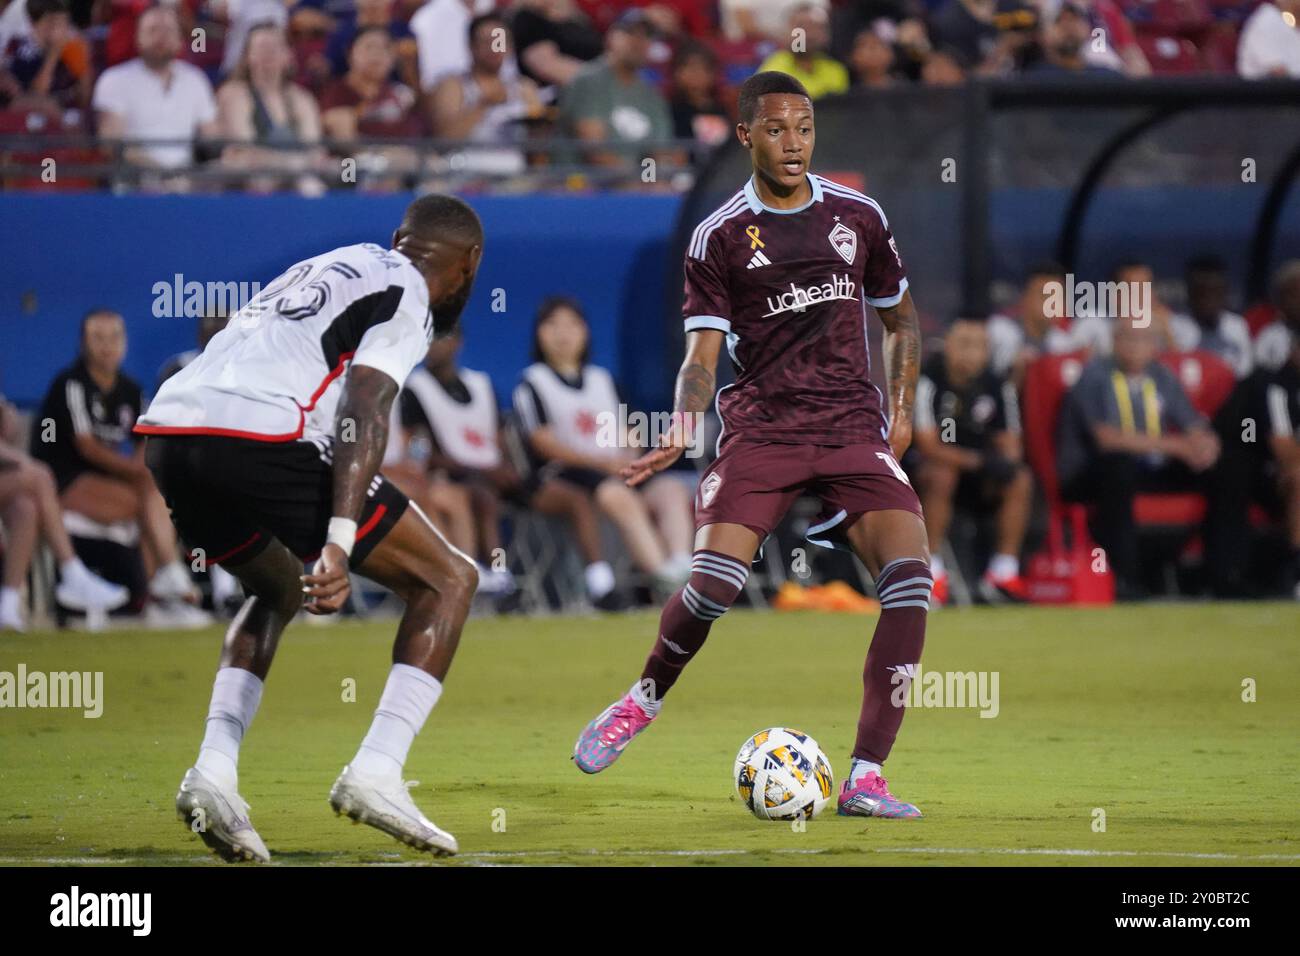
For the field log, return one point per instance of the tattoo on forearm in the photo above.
(360, 437)
(904, 356)
(694, 389)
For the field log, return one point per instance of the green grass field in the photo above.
(1137, 711)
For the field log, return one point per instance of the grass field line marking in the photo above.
(489, 855)
(790, 851)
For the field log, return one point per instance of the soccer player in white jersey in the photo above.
(266, 448)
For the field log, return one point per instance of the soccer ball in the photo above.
(782, 774)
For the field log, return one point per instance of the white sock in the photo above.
(236, 694)
(860, 769)
(73, 570)
(600, 579)
(644, 700)
(10, 604)
(1004, 566)
(936, 566)
(403, 708)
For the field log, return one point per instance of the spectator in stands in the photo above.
(49, 68)
(967, 31)
(553, 39)
(278, 119)
(156, 97)
(1016, 340)
(759, 19)
(452, 453)
(609, 105)
(671, 18)
(567, 407)
(241, 17)
(911, 42)
(15, 24)
(966, 434)
(1135, 285)
(1208, 324)
(696, 102)
(1263, 471)
(802, 52)
(441, 28)
(29, 511)
(1063, 39)
(1119, 49)
(872, 61)
(483, 105)
(84, 434)
(1126, 427)
(367, 103)
(376, 13)
(943, 67)
(1270, 41)
(1275, 341)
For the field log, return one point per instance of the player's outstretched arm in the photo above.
(693, 395)
(360, 437)
(902, 352)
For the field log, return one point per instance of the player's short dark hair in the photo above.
(481, 19)
(438, 216)
(36, 9)
(763, 84)
(550, 305)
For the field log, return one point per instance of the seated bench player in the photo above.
(966, 436)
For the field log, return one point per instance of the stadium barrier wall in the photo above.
(63, 254)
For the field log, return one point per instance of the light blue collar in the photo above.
(756, 205)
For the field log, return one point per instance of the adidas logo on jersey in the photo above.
(758, 259)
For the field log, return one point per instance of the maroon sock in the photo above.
(904, 590)
(715, 581)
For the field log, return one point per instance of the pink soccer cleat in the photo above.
(871, 798)
(602, 740)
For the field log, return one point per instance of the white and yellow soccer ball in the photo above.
(781, 774)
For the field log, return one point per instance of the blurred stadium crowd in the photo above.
(1167, 436)
(274, 94)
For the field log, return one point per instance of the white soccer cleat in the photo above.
(172, 582)
(220, 818)
(390, 809)
(90, 592)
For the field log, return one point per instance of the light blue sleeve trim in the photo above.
(707, 322)
(892, 300)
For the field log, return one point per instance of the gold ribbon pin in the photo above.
(754, 241)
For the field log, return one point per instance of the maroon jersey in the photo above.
(790, 290)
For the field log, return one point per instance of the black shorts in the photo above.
(231, 496)
(588, 479)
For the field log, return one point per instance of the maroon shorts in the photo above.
(754, 483)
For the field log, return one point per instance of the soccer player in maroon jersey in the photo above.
(782, 273)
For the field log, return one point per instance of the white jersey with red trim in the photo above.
(276, 371)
